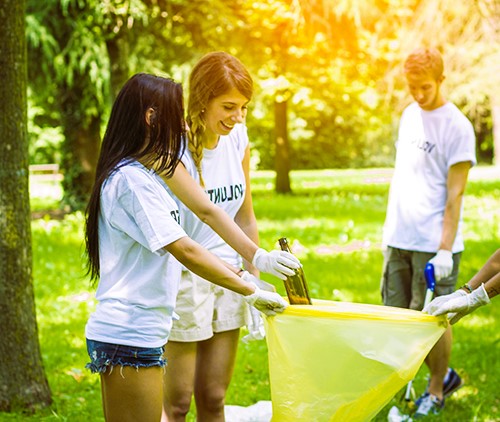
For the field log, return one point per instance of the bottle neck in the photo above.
(284, 244)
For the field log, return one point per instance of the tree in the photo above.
(69, 66)
(82, 52)
(467, 34)
(23, 384)
(339, 63)
(302, 46)
(282, 160)
(490, 10)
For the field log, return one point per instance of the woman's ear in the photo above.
(150, 116)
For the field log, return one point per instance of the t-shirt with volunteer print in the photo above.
(225, 186)
(139, 280)
(429, 143)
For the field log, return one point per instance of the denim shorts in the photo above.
(108, 355)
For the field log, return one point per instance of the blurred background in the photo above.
(328, 73)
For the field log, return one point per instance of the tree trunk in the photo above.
(82, 139)
(495, 117)
(23, 384)
(118, 48)
(282, 158)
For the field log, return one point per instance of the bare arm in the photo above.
(492, 286)
(194, 197)
(245, 218)
(457, 179)
(478, 292)
(203, 263)
(489, 274)
(277, 263)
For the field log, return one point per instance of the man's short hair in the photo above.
(425, 60)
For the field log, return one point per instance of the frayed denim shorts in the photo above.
(108, 355)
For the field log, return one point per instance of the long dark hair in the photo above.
(128, 135)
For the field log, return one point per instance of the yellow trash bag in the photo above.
(338, 361)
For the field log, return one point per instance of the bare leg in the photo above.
(131, 395)
(104, 399)
(438, 360)
(179, 379)
(215, 365)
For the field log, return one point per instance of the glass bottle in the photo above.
(295, 285)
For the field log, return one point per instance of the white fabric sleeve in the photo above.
(463, 147)
(148, 215)
(240, 135)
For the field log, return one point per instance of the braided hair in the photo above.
(215, 74)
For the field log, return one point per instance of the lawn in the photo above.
(333, 220)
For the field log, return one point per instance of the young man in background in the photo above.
(435, 150)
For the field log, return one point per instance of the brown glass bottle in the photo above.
(295, 285)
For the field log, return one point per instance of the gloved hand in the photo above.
(266, 302)
(277, 263)
(255, 325)
(458, 304)
(443, 264)
(261, 284)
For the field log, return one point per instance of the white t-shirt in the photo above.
(429, 143)
(225, 185)
(139, 280)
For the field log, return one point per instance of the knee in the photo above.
(211, 400)
(179, 408)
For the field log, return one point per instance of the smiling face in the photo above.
(425, 90)
(222, 113)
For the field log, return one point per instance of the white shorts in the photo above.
(204, 309)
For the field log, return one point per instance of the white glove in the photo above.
(443, 264)
(255, 325)
(435, 307)
(266, 302)
(277, 263)
(458, 304)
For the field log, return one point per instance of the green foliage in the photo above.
(333, 221)
(45, 137)
(317, 72)
(338, 64)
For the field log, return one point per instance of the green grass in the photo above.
(333, 220)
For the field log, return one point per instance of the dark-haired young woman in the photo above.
(132, 237)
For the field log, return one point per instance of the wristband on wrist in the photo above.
(467, 287)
